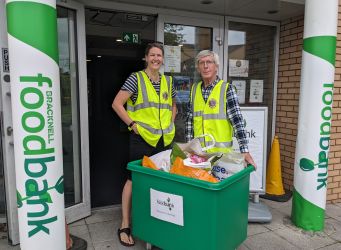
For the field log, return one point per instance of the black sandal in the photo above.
(126, 231)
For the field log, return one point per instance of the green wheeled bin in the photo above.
(174, 212)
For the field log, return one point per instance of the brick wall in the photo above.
(288, 90)
(290, 56)
(334, 168)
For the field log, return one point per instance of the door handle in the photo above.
(9, 130)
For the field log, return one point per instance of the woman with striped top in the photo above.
(149, 115)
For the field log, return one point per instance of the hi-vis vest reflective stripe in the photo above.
(211, 117)
(153, 112)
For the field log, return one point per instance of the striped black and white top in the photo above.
(130, 85)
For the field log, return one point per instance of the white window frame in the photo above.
(198, 20)
(83, 209)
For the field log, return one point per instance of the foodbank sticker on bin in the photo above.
(166, 207)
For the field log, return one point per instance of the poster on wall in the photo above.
(240, 86)
(238, 68)
(256, 91)
(255, 120)
(172, 59)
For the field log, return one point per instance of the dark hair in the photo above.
(154, 45)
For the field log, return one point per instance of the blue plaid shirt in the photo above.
(232, 110)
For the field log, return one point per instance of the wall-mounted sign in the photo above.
(238, 68)
(135, 17)
(5, 60)
(129, 37)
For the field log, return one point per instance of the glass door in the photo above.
(251, 65)
(74, 109)
(184, 38)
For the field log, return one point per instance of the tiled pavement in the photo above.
(100, 231)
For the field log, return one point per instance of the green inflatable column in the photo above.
(35, 93)
(315, 113)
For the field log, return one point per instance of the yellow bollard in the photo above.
(274, 185)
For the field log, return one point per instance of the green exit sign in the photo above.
(129, 37)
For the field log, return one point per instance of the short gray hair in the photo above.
(205, 53)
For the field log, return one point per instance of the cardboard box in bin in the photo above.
(175, 212)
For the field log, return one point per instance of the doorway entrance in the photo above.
(109, 62)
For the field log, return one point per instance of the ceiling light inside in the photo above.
(273, 7)
(206, 1)
(272, 12)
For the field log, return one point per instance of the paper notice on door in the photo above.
(256, 91)
(172, 59)
(240, 89)
(166, 207)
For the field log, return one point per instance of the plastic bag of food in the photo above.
(194, 146)
(148, 163)
(180, 169)
(229, 164)
(201, 162)
(194, 154)
(176, 152)
(162, 160)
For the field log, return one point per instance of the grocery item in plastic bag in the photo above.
(162, 160)
(176, 152)
(194, 154)
(194, 146)
(204, 165)
(229, 164)
(147, 162)
(201, 162)
(180, 169)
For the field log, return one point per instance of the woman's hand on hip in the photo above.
(134, 128)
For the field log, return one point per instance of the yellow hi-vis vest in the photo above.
(152, 112)
(211, 117)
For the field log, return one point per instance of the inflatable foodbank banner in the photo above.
(35, 93)
(315, 114)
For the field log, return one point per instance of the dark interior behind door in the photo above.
(108, 135)
(109, 62)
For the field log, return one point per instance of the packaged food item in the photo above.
(162, 160)
(180, 169)
(229, 164)
(148, 163)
